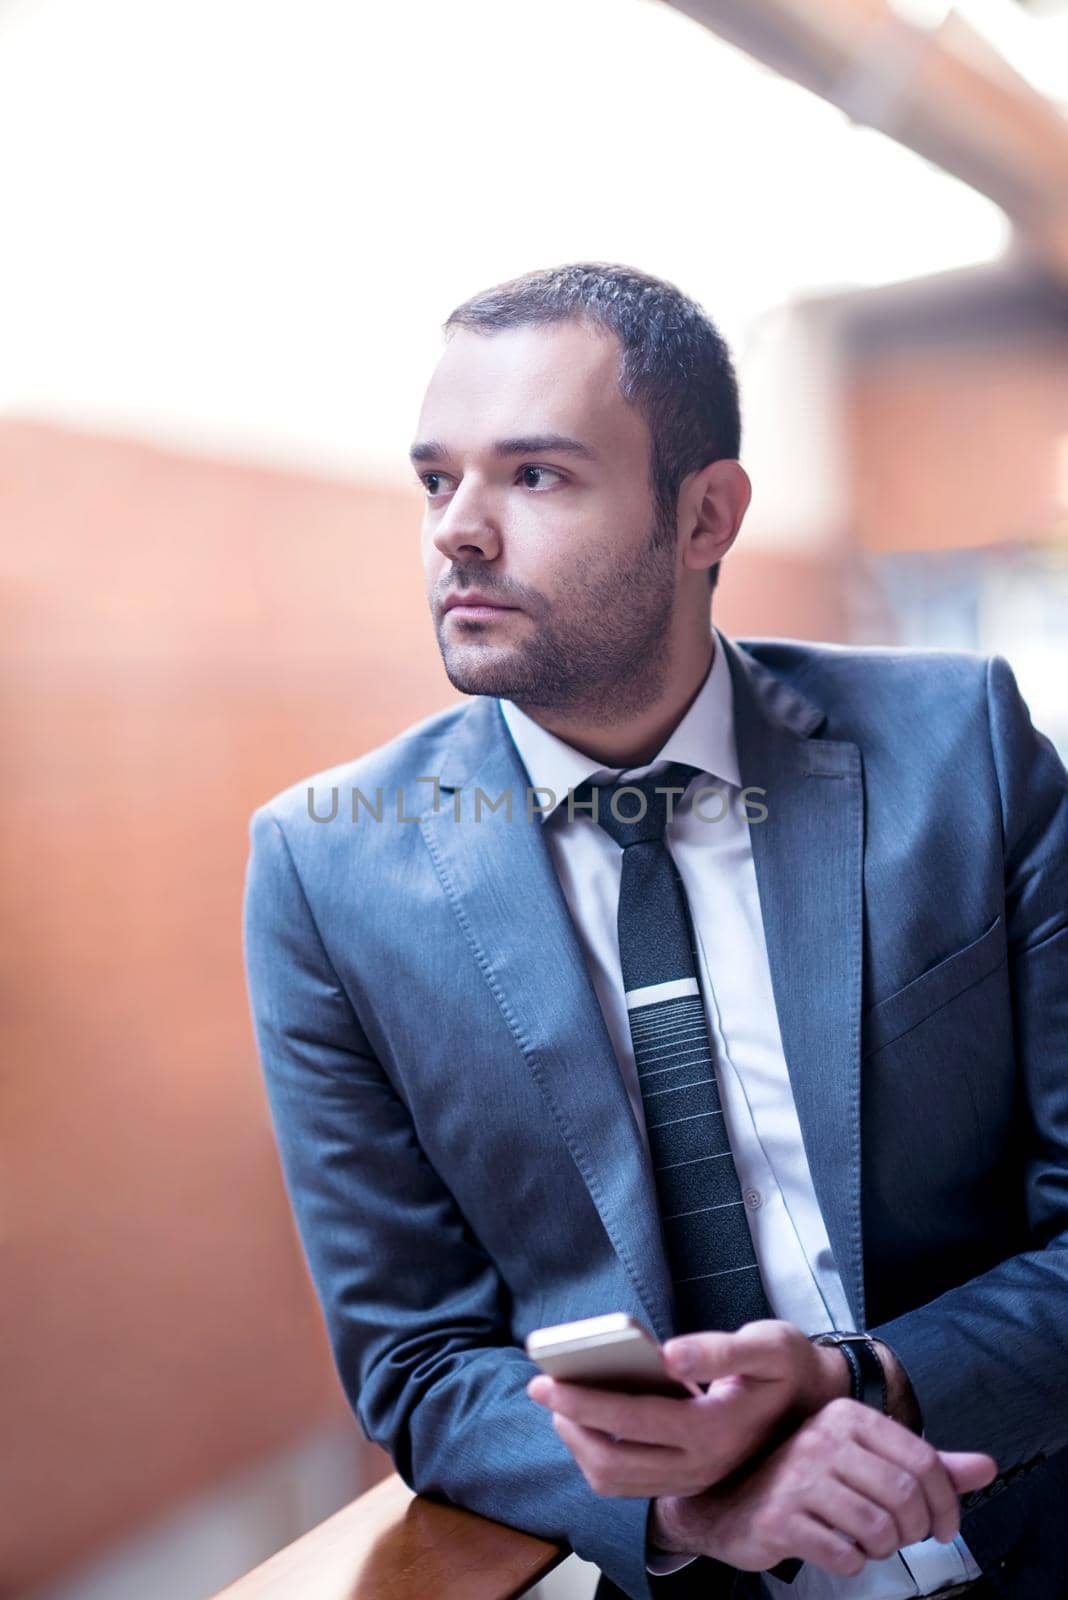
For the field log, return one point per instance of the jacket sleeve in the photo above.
(416, 1312)
(988, 1360)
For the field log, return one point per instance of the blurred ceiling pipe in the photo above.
(918, 72)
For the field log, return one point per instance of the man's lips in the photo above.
(476, 606)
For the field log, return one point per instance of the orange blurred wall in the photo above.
(959, 446)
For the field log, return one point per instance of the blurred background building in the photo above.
(231, 234)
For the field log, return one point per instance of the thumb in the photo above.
(703, 1357)
(755, 1350)
(968, 1469)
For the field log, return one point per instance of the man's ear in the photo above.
(712, 504)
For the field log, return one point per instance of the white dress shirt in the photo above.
(714, 858)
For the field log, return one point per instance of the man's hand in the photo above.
(851, 1485)
(709, 1355)
(763, 1380)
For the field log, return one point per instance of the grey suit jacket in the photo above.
(458, 1147)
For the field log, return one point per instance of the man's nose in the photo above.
(466, 529)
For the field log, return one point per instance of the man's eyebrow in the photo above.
(530, 445)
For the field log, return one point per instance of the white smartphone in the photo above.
(615, 1351)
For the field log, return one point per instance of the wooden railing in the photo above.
(389, 1544)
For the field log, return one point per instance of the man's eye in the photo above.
(552, 470)
(425, 479)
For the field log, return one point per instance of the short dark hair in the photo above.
(676, 368)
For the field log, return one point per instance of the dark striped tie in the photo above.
(706, 1233)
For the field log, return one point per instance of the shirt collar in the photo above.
(704, 739)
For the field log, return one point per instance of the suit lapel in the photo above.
(500, 880)
(808, 858)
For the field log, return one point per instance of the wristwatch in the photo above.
(867, 1377)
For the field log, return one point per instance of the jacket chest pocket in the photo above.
(905, 1009)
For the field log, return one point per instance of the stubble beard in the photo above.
(604, 651)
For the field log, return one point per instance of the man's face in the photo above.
(564, 539)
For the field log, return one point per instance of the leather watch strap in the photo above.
(867, 1377)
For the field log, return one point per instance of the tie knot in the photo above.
(636, 812)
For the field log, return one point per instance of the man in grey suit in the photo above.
(836, 927)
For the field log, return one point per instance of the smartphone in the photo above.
(615, 1351)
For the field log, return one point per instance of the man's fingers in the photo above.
(903, 1449)
(616, 1467)
(883, 1483)
(813, 1541)
(762, 1349)
(870, 1524)
(969, 1469)
(643, 1418)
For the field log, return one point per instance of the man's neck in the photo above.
(637, 743)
